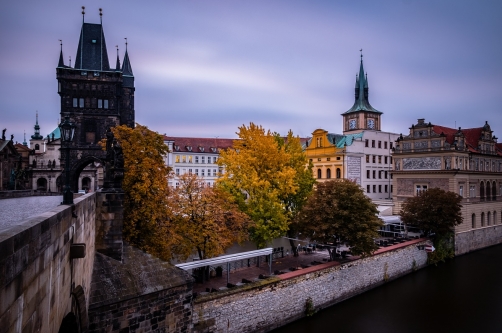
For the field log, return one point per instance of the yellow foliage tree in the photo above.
(205, 219)
(145, 185)
(260, 176)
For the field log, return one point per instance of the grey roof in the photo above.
(361, 94)
(126, 66)
(91, 51)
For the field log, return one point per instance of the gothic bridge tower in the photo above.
(95, 96)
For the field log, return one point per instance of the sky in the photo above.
(204, 68)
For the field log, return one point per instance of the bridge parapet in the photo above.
(39, 283)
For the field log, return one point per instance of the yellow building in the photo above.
(327, 158)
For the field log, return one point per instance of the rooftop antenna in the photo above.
(101, 37)
(82, 39)
(70, 61)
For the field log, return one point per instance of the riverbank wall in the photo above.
(268, 304)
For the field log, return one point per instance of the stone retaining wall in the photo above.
(266, 305)
(477, 239)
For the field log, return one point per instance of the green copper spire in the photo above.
(361, 93)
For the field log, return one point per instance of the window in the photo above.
(379, 144)
(472, 191)
(374, 175)
(318, 173)
(380, 159)
(390, 160)
(386, 159)
(367, 158)
(81, 103)
(366, 144)
(379, 188)
(483, 219)
(420, 188)
(328, 159)
(368, 174)
(380, 174)
(189, 171)
(183, 158)
(473, 221)
(368, 189)
(391, 145)
(202, 172)
(374, 188)
(338, 173)
(328, 173)
(214, 172)
(37, 147)
(177, 185)
(196, 159)
(338, 158)
(482, 193)
(386, 188)
(374, 159)
(461, 190)
(392, 188)
(318, 160)
(372, 143)
(385, 144)
(177, 159)
(189, 158)
(203, 159)
(488, 218)
(196, 172)
(214, 159)
(105, 104)
(386, 174)
(75, 102)
(100, 103)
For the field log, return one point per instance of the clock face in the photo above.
(352, 124)
(371, 123)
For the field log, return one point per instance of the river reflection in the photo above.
(462, 295)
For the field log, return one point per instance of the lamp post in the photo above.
(67, 129)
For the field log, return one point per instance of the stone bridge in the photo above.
(68, 270)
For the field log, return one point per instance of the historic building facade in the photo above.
(362, 153)
(464, 161)
(95, 96)
(197, 156)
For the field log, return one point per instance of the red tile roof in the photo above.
(471, 135)
(198, 143)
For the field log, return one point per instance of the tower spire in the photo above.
(101, 39)
(117, 66)
(61, 62)
(37, 135)
(126, 65)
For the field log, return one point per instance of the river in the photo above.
(462, 295)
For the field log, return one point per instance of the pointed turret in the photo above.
(61, 61)
(24, 142)
(361, 93)
(127, 70)
(117, 65)
(37, 135)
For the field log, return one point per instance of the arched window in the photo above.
(328, 173)
(494, 217)
(473, 221)
(37, 147)
(319, 174)
(483, 219)
(488, 218)
(338, 173)
(494, 191)
(482, 191)
(488, 192)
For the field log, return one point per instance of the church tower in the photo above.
(95, 96)
(361, 116)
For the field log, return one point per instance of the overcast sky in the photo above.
(203, 68)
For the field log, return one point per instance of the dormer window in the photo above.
(201, 149)
(189, 148)
(213, 149)
(177, 148)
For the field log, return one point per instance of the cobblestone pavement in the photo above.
(15, 210)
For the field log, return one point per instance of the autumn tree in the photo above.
(145, 186)
(434, 211)
(204, 219)
(338, 211)
(260, 175)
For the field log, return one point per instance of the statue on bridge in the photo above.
(114, 165)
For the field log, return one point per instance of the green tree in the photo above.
(204, 219)
(146, 223)
(434, 211)
(338, 211)
(259, 175)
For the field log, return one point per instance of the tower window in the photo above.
(100, 103)
(75, 102)
(81, 103)
(105, 104)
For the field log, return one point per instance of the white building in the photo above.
(197, 156)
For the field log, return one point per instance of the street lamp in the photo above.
(67, 129)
